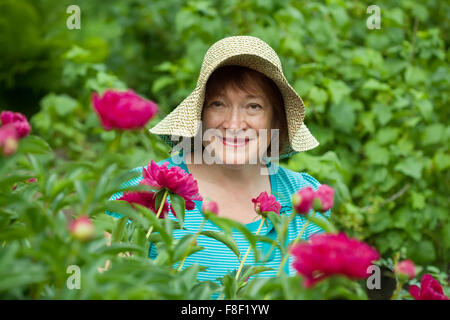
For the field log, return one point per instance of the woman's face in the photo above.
(237, 118)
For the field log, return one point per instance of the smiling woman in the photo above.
(240, 98)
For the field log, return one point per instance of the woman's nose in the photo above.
(235, 119)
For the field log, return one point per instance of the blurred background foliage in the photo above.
(377, 100)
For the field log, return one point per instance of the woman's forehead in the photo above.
(233, 90)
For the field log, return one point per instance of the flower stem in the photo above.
(166, 192)
(397, 290)
(115, 143)
(291, 217)
(296, 240)
(191, 244)
(248, 250)
(399, 283)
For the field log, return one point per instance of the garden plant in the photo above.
(76, 108)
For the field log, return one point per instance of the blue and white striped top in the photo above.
(217, 257)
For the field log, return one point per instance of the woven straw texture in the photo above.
(251, 52)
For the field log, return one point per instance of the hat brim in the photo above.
(184, 120)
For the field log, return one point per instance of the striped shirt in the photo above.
(216, 256)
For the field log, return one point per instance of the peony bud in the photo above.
(325, 197)
(210, 207)
(18, 120)
(302, 200)
(405, 269)
(265, 203)
(82, 228)
(8, 139)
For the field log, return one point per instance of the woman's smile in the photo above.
(235, 142)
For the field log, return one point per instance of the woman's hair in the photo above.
(252, 82)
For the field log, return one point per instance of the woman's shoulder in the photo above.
(296, 180)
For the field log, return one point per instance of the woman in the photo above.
(249, 117)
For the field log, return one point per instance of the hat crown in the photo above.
(253, 53)
(235, 46)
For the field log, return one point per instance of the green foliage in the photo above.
(375, 99)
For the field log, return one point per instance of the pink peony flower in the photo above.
(174, 179)
(325, 195)
(265, 203)
(405, 268)
(332, 254)
(210, 207)
(303, 199)
(18, 120)
(123, 110)
(8, 139)
(82, 228)
(146, 199)
(430, 289)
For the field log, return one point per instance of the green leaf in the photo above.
(122, 207)
(252, 270)
(422, 252)
(373, 84)
(433, 134)
(116, 248)
(162, 82)
(410, 167)
(179, 206)
(342, 117)
(382, 112)
(155, 222)
(376, 154)
(338, 89)
(182, 247)
(13, 178)
(415, 75)
(261, 238)
(318, 96)
(59, 186)
(441, 160)
(225, 239)
(118, 230)
(251, 238)
(274, 218)
(50, 181)
(387, 135)
(322, 223)
(230, 286)
(101, 189)
(33, 144)
(228, 225)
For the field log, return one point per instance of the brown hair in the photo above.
(251, 81)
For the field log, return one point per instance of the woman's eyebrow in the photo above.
(247, 96)
(253, 96)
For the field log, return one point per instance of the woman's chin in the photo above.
(237, 158)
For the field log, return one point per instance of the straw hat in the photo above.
(251, 52)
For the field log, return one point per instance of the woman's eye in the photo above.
(216, 104)
(255, 106)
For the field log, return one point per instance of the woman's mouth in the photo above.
(235, 142)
